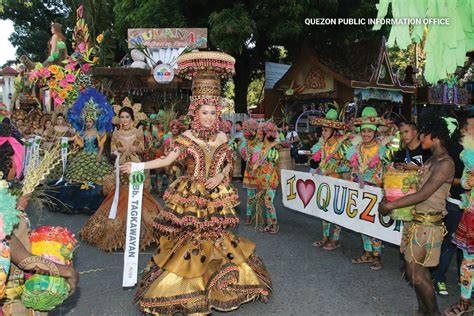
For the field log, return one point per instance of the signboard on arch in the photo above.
(168, 38)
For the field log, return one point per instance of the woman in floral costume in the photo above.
(266, 173)
(367, 159)
(249, 150)
(200, 265)
(328, 153)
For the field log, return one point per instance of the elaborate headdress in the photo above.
(268, 129)
(176, 123)
(35, 116)
(46, 117)
(18, 115)
(329, 120)
(250, 128)
(137, 111)
(225, 126)
(205, 69)
(370, 119)
(93, 105)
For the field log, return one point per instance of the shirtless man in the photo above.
(422, 238)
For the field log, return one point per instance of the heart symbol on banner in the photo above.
(305, 190)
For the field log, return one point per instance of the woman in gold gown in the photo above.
(200, 265)
(109, 234)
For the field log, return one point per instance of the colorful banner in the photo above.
(168, 38)
(134, 216)
(341, 202)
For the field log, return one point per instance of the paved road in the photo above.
(306, 280)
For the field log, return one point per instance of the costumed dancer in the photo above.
(328, 153)
(201, 265)
(249, 149)
(267, 174)
(91, 116)
(367, 158)
(106, 229)
(45, 123)
(175, 170)
(422, 237)
(463, 238)
(152, 144)
(54, 135)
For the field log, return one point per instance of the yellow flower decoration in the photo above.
(52, 83)
(95, 60)
(100, 38)
(60, 75)
(54, 69)
(63, 94)
(69, 87)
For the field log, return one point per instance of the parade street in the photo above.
(306, 280)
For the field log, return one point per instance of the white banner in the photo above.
(134, 215)
(36, 158)
(113, 208)
(28, 149)
(64, 145)
(341, 202)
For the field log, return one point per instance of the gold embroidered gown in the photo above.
(109, 234)
(199, 265)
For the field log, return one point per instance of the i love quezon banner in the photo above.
(341, 202)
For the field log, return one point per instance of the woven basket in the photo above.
(237, 168)
(285, 161)
(397, 184)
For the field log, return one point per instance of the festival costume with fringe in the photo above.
(268, 179)
(464, 235)
(249, 150)
(200, 265)
(463, 238)
(367, 163)
(109, 234)
(422, 237)
(331, 164)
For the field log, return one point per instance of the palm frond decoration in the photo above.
(36, 176)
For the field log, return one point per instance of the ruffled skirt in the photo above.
(464, 235)
(199, 265)
(190, 276)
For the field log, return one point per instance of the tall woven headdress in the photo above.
(206, 69)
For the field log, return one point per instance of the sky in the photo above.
(7, 51)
